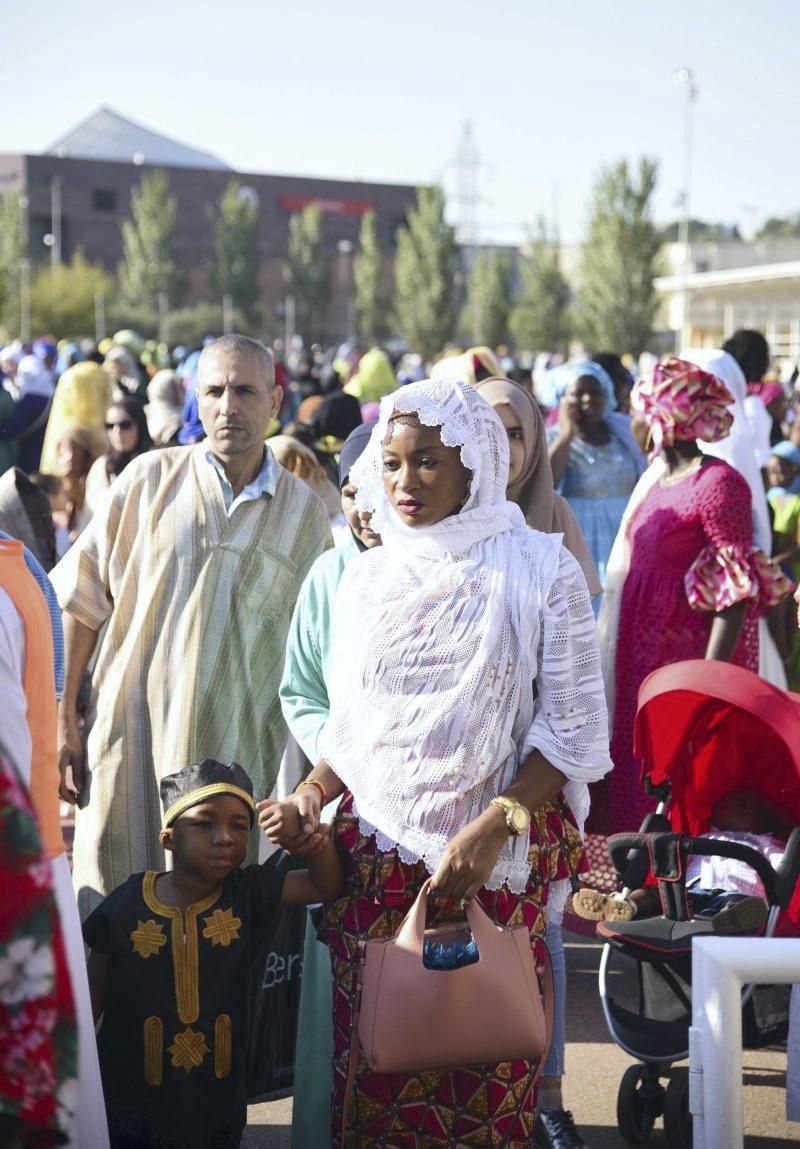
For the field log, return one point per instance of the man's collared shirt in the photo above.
(262, 484)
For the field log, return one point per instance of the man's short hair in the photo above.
(237, 345)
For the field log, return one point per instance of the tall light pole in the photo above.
(685, 78)
(55, 219)
(345, 249)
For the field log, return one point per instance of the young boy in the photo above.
(172, 963)
(725, 890)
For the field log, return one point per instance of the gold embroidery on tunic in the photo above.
(184, 946)
(188, 1050)
(153, 1050)
(223, 1045)
(148, 938)
(222, 927)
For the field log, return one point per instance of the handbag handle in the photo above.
(411, 935)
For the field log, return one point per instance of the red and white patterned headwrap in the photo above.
(682, 402)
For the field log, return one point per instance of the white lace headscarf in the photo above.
(459, 649)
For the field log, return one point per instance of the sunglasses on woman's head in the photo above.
(123, 425)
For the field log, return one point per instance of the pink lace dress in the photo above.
(692, 555)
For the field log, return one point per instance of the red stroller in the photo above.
(703, 730)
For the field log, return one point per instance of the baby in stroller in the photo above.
(726, 890)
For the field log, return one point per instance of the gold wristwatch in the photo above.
(518, 818)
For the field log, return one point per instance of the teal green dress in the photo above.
(304, 699)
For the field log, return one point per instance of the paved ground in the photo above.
(595, 1066)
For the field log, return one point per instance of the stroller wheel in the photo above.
(677, 1118)
(639, 1102)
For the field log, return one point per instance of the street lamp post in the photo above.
(25, 300)
(345, 249)
(684, 77)
(55, 220)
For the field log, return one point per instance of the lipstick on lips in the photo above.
(410, 506)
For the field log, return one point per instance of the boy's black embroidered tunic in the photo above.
(177, 1008)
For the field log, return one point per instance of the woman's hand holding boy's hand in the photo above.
(294, 824)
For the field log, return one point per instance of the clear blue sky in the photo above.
(554, 89)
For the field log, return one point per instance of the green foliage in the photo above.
(233, 268)
(63, 298)
(618, 301)
(425, 271)
(189, 325)
(540, 319)
(700, 231)
(485, 319)
(307, 272)
(370, 292)
(148, 266)
(12, 250)
(781, 228)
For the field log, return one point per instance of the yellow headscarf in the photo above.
(374, 378)
(82, 397)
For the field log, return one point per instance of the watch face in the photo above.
(519, 819)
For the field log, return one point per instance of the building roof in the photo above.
(763, 274)
(106, 135)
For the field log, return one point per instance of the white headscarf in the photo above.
(460, 648)
(32, 378)
(739, 448)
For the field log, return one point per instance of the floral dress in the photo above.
(38, 1034)
(478, 1107)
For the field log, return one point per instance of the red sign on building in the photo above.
(328, 206)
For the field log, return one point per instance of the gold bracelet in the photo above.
(314, 782)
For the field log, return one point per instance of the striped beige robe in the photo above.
(197, 608)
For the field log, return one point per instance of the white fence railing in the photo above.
(721, 967)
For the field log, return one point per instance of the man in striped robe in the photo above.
(192, 565)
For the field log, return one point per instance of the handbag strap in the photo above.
(548, 997)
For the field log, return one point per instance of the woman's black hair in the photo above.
(117, 461)
(751, 351)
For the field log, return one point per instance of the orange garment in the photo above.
(21, 588)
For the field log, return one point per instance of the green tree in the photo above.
(307, 272)
(540, 320)
(775, 226)
(486, 314)
(63, 298)
(425, 267)
(370, 291)
(12, 250)
(617, 298)
(233, 268)
(190, 325)
(148, 267)
(701, 231)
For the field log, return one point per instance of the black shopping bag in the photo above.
(277, 981)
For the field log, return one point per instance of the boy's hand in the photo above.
(295, 829)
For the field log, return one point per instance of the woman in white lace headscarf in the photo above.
(467, 670)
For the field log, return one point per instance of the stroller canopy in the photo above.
(708, 729)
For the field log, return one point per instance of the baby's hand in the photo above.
(281, 822)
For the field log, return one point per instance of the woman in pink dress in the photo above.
(696, 584)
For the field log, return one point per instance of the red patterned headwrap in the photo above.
(683, 403)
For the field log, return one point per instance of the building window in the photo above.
(104, 199)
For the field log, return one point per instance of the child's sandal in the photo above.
(597, 907)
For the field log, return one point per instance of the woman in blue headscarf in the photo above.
(595, 459)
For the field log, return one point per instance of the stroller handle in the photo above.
(620, 844)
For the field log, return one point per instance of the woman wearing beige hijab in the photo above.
(530, 486)
(530, 480)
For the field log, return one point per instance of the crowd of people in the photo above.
(389, 616)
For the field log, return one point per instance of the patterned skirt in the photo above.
(489, 1106)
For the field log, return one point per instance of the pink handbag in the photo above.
(409, 1018)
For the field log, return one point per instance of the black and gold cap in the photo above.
(181, 791)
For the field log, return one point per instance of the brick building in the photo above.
(82, 184)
